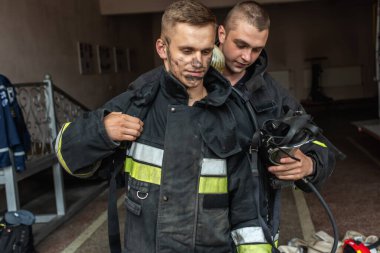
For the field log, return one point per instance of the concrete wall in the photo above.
(340, 30)
(40, 36)
(112, 7)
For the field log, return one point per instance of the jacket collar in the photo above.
(217, 86)
(255, 73)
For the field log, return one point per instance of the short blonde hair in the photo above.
(186, 11)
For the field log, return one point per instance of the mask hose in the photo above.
(329, 214)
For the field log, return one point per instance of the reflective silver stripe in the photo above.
(214, 167)
(2, 150)
(248, 235)
(21, 153)
(276, 237)
(147, 154)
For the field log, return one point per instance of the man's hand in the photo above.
(122, 127)
(291, 169)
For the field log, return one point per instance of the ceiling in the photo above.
(117, 7)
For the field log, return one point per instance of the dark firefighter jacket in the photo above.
(190, 187)
(272, 101)
(14, 135)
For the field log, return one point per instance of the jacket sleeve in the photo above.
(81, 145)
(321, 151)
(323, 158)
(247, 234)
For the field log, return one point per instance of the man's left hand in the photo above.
(291, 169)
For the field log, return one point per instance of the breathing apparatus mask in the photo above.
(282, 137)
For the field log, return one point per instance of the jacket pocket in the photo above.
(132, 206)
(137, 192)
(141, 215)
(264, 106)
(212, 201)
(138, 195)
(213, 226)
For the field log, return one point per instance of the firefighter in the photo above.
(189, 185)
(242, 39)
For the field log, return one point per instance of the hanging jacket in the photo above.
(15, 136)
(189, 186)
(272, 101)
(5, 160)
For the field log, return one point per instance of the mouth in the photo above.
(196, 73)
(241, 65)
(193, 78)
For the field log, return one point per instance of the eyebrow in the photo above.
(194, 49)
(241, 42)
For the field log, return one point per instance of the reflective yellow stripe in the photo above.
(320, 144)
(58, 148)
(254, 248)
(143, 172)
(213, 185)
(58, 145)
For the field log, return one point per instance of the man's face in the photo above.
(187, 52)
(241, 46)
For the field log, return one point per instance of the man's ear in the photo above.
(221, 34)
(161, 49)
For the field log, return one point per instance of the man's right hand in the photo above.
(122, 127)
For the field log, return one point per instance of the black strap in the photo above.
(113, 218)
(139, 110)
(295, 124)
(117, 162)
(256, 168)
(268, 233)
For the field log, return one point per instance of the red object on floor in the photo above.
(352, 246)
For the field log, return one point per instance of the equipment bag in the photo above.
(16, 238)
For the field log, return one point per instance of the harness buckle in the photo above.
(253, 149)
(143, 196)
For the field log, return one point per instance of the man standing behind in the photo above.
(242, 39)
(188, 186)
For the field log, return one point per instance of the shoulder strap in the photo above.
(257, 170)
(139, 110)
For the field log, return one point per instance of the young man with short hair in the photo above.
(242, 39)
(189, 184)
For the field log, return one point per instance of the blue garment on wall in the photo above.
(14, 135)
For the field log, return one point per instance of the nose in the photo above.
(246, 55)
(197, 60)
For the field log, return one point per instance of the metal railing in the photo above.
(45, 109)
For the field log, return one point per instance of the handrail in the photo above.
(56, 88)
(73, 100)
(39, 108)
